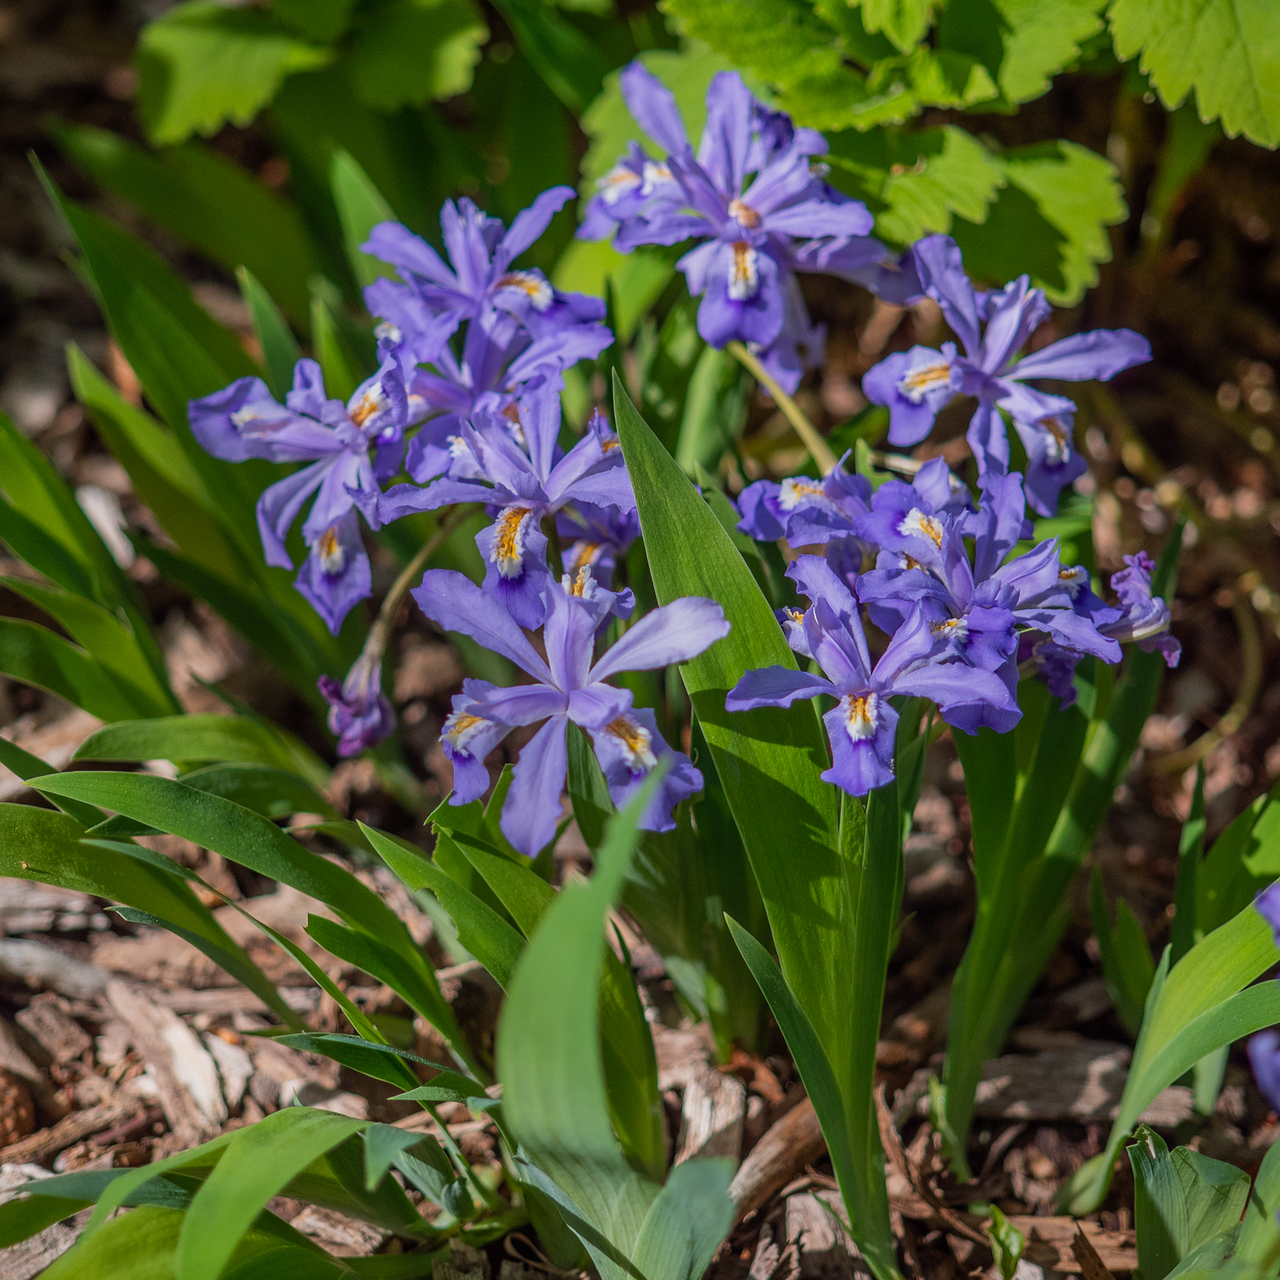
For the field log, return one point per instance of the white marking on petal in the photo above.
(916, 522)
(744, 275)
(952, 629)
(460, 730)
(533, 284)
(333, 555)
(1058, 446)
(508, 543)
(655, 175)
(861, 715)
(1073, 579)
(618, 182)
(800, 489)
(637, 743)
(915, 384)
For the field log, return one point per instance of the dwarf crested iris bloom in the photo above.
(1146, 617)
(522, 485)
(351, 448)
(976, 609)
(567, 686)
(596, 538)
(750, 196)
(481, 277)
(863, 725)
(993, 327)
(360, 715)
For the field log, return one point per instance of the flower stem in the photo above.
(380, 632)
(818, 448)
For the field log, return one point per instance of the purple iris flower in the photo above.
(1146, 617)
(498, 359)
(862, 726)
(480, 276)
(596, 538)
(749, 195)
(992, 327)
(351, 448)
(566, 686)
(522, 478)
(976, 608)
(360, 715)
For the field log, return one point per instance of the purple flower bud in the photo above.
(1146, 616)
(359, 714)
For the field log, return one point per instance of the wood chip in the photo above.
(218, 1002)
(58, 1033)
(234, 1066)
(790, 1146)
(186, 1076)
(711, 1116)
(342, 1236)
(1051, 1241)
(69, 1130)
(41, 966)
(808, 1240)
(15, 1059)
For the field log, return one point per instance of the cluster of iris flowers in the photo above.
(467, 405)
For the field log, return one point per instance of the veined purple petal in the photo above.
(278, 508)
(627, 748)
(1011, 320)
(335, 575)
(861, 730)
(987, 438)
(743, 298)
(521, 704)
(529, 224)
(915, 385)
(455, 603)
(821, 218)
(726, 138)
(467, 738)
(595, 705)
(775, 687)
(394, 243)
(532, 809)
(242, 421)
(569, 634)
(1099, 353)
(941, 270)
(759, 520)
(673, 633)
(1264, 1058)
(1267, 905)
(653, 107)
(360, 714)
(516, 573)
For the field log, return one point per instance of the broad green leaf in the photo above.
(524, 894)
(160, 469)
(588, 791)
(838, 920)
(112, 642)
(35, 655)
(361, 206)
(1023, 43)
(916, 181)
(21, 1219)
(274, 793)
(416, 50)
(415, 983)
(1126, 960)
(280, 351)
(1050, 220)
(1007, 1243)
(236, 833)
(903, 21)
(554, 1095)
(687, 1222)
(567, 61)
(1260, 1230)
(1182, 1200)
(1227, 51)
(715, 410)
(637, 278)
(1183, 935)
(320, 20)
(259, 1163)
(1205, 1002)
(202, 65)
(381, 1061)
(211, 204)
(340, 365)
(200, 737)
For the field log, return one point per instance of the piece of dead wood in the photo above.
(1079, 1080)
(15, 1060)
(26, 906)
(69, 1130)
(235, 1067)
(41, 966)
(792, 1144)
(218, 1002)
(186, 1076)
(1051, 1241)
(960, 1224)
(57, 1032)
(1086, 1255)
(713, 1105)
(808, 1239)
(340, 1235)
